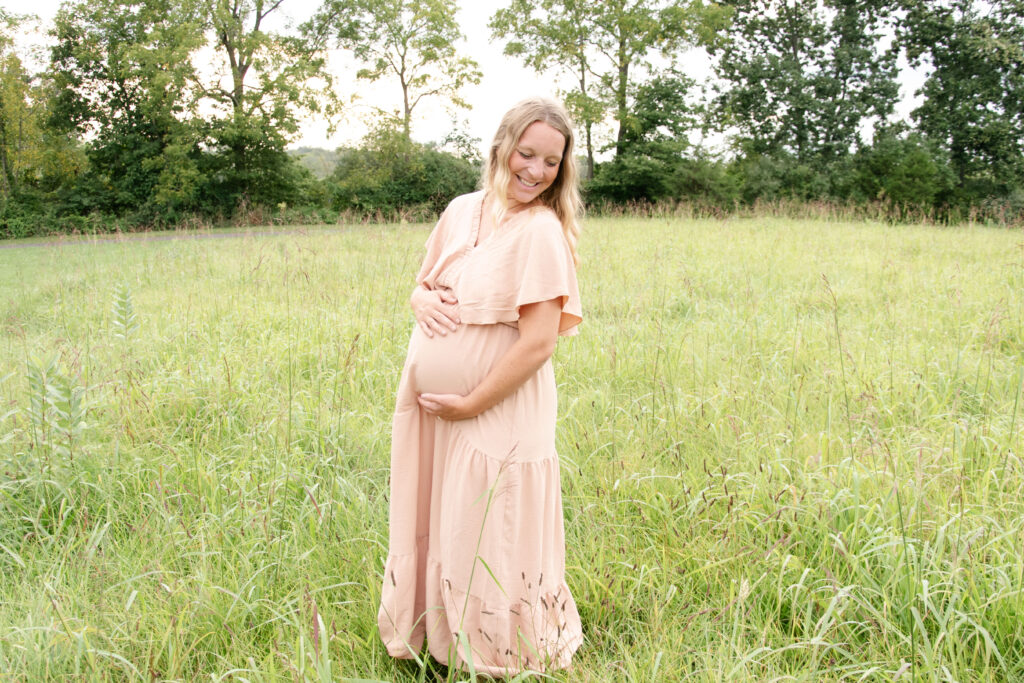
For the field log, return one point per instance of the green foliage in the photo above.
(656, 163)
(904, 170)
(803, 78)
(412, 41)
(34, 159)
(164, 144)
(630, 33)
(18, 117)
(123, 319)
(611, 40)
(460, 143)
(650, 157)
(391, 175)
(56, 410)
(247, 165)
(273, 77)
(974, 95)
(554, 35)
(122, 131)
(121, 72)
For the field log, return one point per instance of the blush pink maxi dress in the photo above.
(476, 563)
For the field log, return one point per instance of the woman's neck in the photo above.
(512, 207)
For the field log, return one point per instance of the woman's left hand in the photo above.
(447, 406)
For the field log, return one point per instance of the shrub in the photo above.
(904, 171)
(391, 175)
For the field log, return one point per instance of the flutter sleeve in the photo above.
(532, 263)
(435, 248)
(449, 241)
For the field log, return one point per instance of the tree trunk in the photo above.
(6, 177)
(407, 119)
(620, 97)
(589, 175)
(588, 125)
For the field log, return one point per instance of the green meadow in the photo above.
(791, 451)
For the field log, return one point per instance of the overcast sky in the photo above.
(505, 81)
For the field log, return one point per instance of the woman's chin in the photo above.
(521, 197)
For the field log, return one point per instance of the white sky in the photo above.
(505, 81)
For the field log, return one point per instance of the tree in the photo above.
(121, 73)
(802, 78)
(162, 139)
(658, 162)
(628, 32)
(610, 40)
(36, 162)
(652, 144)
(16, 112)
(269, 79)
(411, 40)
(974, 93)
(391, 175)
(903, 169)
(556, 38)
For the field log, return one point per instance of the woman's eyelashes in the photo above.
(528, 155)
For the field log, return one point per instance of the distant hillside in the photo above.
(320, 162)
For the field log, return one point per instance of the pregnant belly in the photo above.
(457, 362)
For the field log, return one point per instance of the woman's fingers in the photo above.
(447, 307)
(444, 406)
(447, 311)
(428, 404)
(448, 318)
(437, 322)
(435, 311)
(444, 319)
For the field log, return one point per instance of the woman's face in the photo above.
(534, 162)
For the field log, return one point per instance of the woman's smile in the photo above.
(534, 162)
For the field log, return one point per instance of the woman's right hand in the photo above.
(436, 310)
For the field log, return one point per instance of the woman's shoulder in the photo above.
(466, 201)
(539, 217)
(542, 220)
(459, 212)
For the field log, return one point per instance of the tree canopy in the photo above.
(612, 42)
(974, 95)
(20, 130)
(164, 112)
(805, 77)
(412, 41)
(122, 79)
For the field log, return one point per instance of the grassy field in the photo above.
(790, 451)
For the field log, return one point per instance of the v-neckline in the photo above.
(474, 237)
(478, 215)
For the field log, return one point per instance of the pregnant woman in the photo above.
(476, 563)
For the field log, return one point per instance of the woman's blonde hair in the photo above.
(563, 196)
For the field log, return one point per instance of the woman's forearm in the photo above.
(521, 362)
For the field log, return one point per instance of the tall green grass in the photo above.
(790, 451)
